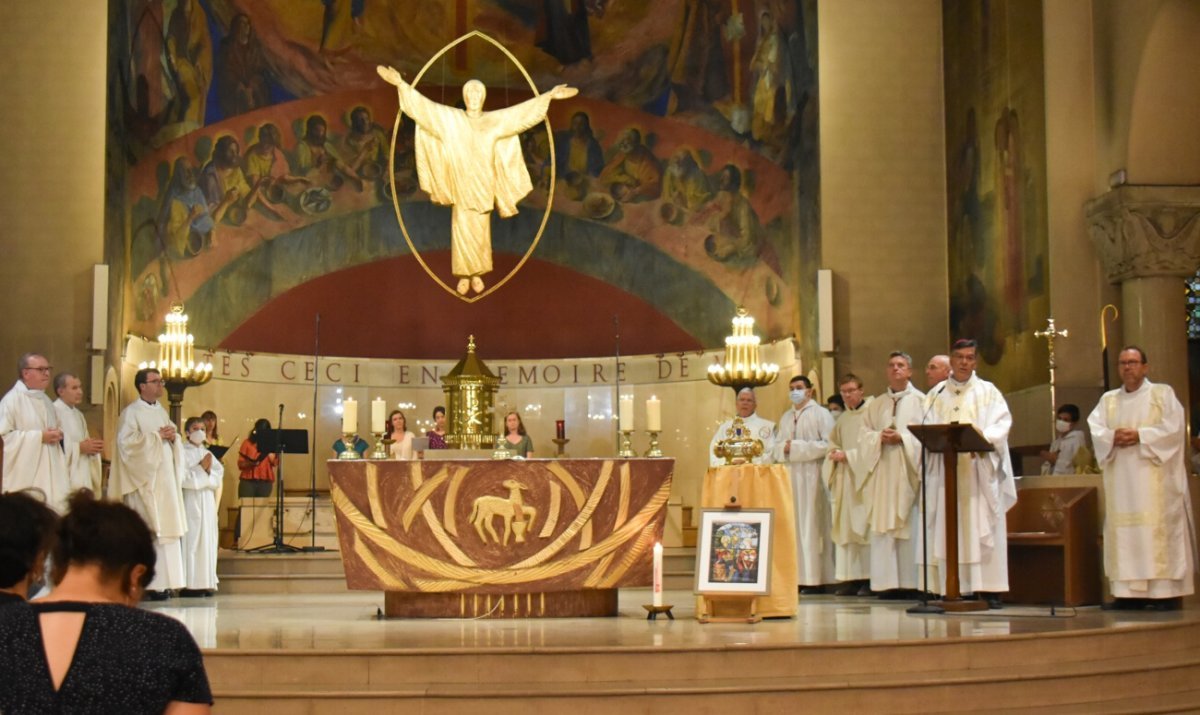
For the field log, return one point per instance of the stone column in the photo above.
(1148, 239)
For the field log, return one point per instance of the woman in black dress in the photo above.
(86, 648)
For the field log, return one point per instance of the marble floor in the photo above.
(350, 621)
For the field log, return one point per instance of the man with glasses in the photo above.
(1139, 434)
(33, 450)
(148, 473)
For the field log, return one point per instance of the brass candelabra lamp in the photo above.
(177, 362)
(742, 367)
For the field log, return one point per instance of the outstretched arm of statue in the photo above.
(426, 113)
(519, 117)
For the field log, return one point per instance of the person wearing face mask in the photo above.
(1060, 458)
(836, 406)
(202, 479)
(801, 442)
(761, 429)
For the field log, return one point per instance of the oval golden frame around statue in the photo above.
(392, 172)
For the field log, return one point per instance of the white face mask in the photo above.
(196, 437)
(836, 413)
(798, 396)
(1062, 425)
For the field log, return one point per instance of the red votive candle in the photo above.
(560, 429)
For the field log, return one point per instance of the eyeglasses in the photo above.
(44, 370)
(1128, 363)
(153, 382)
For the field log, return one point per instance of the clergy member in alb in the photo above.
(33, 450)
(889, 455)
(201, 484)
(148, 476)
(801, 442)
(986, 490)
(848, 526)
(1149, 529)
(759, 428)
(82, 452)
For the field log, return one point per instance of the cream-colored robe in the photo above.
(1149, 529)
(28, 462)
(474, 164)
(807, 431)
(761, 429)
(892, 486)
(147, 475)
(986, 490)
(83, 470)
(848, 502)
(200, 489)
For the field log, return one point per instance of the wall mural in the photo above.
(996, 184)
(248, 171)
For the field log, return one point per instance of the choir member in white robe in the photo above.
(203, 474)
(889, 455)
(759, 428)
(33, 450)
(801, 442)
(82, 452)
(848, 526)
(148, 475)
(986, 489)
(1149, 530)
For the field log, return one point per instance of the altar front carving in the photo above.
(520, 538)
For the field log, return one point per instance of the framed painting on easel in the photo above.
(733, 562)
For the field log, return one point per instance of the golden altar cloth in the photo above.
(762, 487)
(538, 537)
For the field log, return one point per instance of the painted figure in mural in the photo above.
(634, 174)
(735, 229)
(224, 183)
(365, 146)
(536, 145)
(190, 57)
(318, 159)
(241, 70)
(773, 101)
(697, 58)
(685, 186)
(578, 154)
(563, 31)
(471, 160)
(185, 223)
(1010, 188)
(267, 168)
(329, 17)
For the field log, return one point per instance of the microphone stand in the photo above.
(924, 606)
(277, 546)
(312, 475)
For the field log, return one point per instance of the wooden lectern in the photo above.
(952, 440)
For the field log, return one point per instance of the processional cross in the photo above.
(1050, 333)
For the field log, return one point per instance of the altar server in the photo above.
(202, 480)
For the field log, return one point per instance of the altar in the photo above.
(499, 538)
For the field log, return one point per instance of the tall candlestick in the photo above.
(658, 575)
(378, 415)
(654, 414)
(349, 416)
(626, 413)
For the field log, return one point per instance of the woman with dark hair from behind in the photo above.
(26, 533)
(125, 660)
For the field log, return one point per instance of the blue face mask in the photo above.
(798, 396)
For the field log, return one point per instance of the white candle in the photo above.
(626, 413)
(658, 579)
(378, 415)
(349, 416)
(654, 414)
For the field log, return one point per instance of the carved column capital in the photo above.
(1146, 231)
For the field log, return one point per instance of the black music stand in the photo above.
(281, 442)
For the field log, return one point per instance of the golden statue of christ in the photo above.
(471, 161)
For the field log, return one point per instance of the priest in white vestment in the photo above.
(203, 474)
(1149, 530)
(801, 442)
(761, 429)
(148, 476)
(33, 450)
(82, 452)
(890, 457)
(986, 489)
(848, 526)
